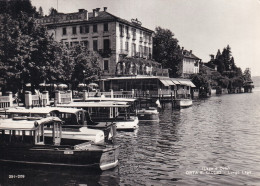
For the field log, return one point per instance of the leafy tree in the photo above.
(40, 11)
(87, 65)
(52, 11)
(247, 75)
(166, 50)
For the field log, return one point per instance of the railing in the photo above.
(65, 98)
(123, 52)
(123, 94)
(6, 101)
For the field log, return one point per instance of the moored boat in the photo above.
(117, 112)
(25, 141)
(181, 103)
(77, 123)
(148, 114)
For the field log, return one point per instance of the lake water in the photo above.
(214, 142)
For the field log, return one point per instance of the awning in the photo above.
(169, 82)
(175, 81)
(191, 84)
(164, 82)
(184, 83)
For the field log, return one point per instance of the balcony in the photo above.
(128, 36)
(123, 52)
(141, 39)
(105, 53)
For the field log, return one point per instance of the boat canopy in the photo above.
(95, 104)
(24, 124)
(93, 99)
(40, 110)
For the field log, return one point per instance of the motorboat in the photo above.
(26, 142)
(118, 112)
(77, 123)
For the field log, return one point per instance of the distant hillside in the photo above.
(256, 80)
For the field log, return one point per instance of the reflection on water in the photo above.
(214, 142)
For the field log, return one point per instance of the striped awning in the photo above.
(175, 81)
(170, 82)
(164, 82)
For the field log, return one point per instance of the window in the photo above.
(126, 46)
(133, 49)
(127, 32)
(81, 29)
(74, 30)
(141, 50)
(105, 27)
(106, 44)
(85, 44)
(95, 45)
(95, 28)
(86, 29)
(134, 33)
(121, 29)
(64, 31)
(106, 65)
(121, 44)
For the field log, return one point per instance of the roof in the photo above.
(95, 104)
(102, 16)
(164, 80)
(24, 124)
(187, 54)
(93, 99)
(41, 110)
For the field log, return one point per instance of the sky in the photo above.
(203, 26)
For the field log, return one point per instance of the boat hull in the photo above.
(127, 125)
(99, 157)
(181, 103)
(148, 115)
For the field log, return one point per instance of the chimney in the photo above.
(97, 9)
(190, 51)
(182, 48)
(81, 10)
(105, 9)
(94, 12)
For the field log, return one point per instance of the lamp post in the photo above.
(84, 80)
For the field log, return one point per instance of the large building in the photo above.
(115, 39)
(190, 64)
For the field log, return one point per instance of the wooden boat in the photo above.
(143, 114)
(181, 103)
(148, 114)
(117, 112)
(77, 123)
(25, 141)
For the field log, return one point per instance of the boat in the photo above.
(182, 103)
(143, 114)
(25, 142)
(77, 123)
(118, 112)
(148, 114)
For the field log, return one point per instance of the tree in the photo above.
(40, 11)
(87, 65)
(27, 52)
(52, 11)
(167, 51)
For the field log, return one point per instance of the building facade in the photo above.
(112, 37)
(190, 64)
